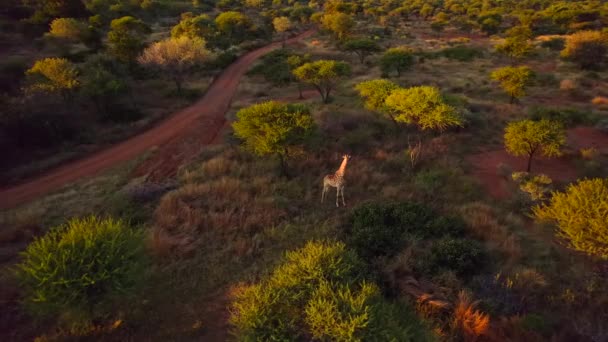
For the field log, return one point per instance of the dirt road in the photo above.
(210, 109)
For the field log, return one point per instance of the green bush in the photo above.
(274, 67)
(462, 256)
(555, 44)
(75, 270)
(462, 53)
(382, 229)
(580, 215)
(566, 116)
(319, 291)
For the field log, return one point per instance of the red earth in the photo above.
(207, 115)
(485, 164)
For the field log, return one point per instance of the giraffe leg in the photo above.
(337, 196)
(343, 202)
(323, 193)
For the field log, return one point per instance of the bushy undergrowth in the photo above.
(462, 256)
(75, 270)
(382, 229)
(462, 53)
(568, 117)
(320, 291)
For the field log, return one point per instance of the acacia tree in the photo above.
(273, 128)
(396, 59)
(194, 27)
(341, 24)
(517, 44)
(513, 80)
(587, 48)
(527, 137)
(323, 75)
(580, 215)
(54, 75)
(233, 24)
(294, 62)
(423, 106)
(103, 83)
(175, 57)
(126, 38)
(66, 28)
(375, 92)
(362, 47)
(282, 25)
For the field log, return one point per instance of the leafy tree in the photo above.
(274, 128)
(45, 10)
(54, 75)
(517, 44)
(126, 38)
(233, 24)
(322, 75)
(581, 215)
(294, 62)
(375, 93)
(396, 59)
(527, 137)
(362, 47)
(67, 28)
(194, 27)
(339, 23)
(424, 106)
(587, 48)
(175, 57)
(282, 25)
(513, 80)
(103, 82)
(75, 268)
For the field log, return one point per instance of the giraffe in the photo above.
(336, 180)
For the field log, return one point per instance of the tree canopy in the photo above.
(54, 75)
(323, 75)
(581, 215)
(423, 106)
(126, 38)
(362, 47)
(587, 48)
(396, 59)
(513, 80)
(527, 137)
(375, 92)
(273, 128)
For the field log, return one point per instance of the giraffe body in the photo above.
(336, 180)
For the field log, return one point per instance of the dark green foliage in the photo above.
(462, 53)
(382, 229)
(463, 256)
(555, 44)
(443, 226)
(12, 71)
(274, 67)
(223, 60)
(569, 117)
(76, 269)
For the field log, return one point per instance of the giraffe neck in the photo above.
(342, 168)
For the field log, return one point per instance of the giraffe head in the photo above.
(346, 156)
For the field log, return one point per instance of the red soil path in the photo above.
(210, 110)
(485, 164)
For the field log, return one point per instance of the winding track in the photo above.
(211, 107)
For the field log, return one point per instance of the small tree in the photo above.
(282, 25)
(396, 59)
(273, 128)
(233, 24)
(580, 215)
(126, 38)
(587, 48)
(294, 62)
(54, 75)
(74, 269)
(527, 137)
(323, 75)
(175, 57)
(517, 44)
(194, 27)
(362, 47)
(513, 80)
(423, 106)
(103, 83)
(339, 23)
(67, 28)
(375, 92)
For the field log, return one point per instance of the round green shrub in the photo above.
(75, 269)
(462, 256)
(381, 229)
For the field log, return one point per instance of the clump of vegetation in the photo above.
(375, 92)
(396, 59)
(76, 269)
(323, 75)
(513, 80)
(320, 291)
(273, 128)
(569, 117)
(462, 53)
(362, 47)
(54, 75)
(580, 215)
(586, 48)
(517, 45)
(536, 186)
(462, 256)
(527, 137)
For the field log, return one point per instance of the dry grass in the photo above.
(467, 320)
(600, 101)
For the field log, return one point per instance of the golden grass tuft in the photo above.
(469, 322)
